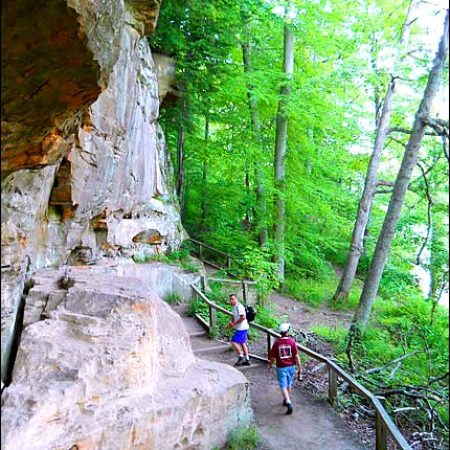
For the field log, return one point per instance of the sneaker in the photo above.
(240, 361)
(289, 409)
(285, 403)
(246, 362)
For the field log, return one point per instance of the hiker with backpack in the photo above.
(285, 352)
(241, 326)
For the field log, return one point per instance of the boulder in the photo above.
(111, 367)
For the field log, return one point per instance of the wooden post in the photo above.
(332, 385)
(381, 437)
(244, 292)
(203, 283)
(269, 344)
(200, 251)
(228, 262)
(212, 318)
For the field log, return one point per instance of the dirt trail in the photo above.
(314, 425)
(305, 318)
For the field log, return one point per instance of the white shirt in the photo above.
(238, 311)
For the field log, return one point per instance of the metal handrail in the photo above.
(383, 423)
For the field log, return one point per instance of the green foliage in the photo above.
(180, 258)
(254, 264)
(336, 336)
(397, 330)
(214, 332)
(173, 298)
(339, 72)
(244, 438)
(309, 290)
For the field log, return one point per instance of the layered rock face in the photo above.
(84, 164)
(105, 364)
(102, 362)
(85, 170)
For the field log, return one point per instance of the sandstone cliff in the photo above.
(86, 178)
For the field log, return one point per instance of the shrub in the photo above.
(173, 298)
(244, 438)
(309, 290)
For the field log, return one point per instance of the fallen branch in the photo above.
(435, 380)
(390, 363)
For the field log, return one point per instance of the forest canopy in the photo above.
(279, 110)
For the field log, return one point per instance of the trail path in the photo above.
(314, 425)
(305, 318)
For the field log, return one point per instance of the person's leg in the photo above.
(236, 343)
(286, 396)
(283, 383)
(289, 373)
(246, 356)
(237, 348)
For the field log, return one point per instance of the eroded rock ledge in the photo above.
(84, 163)
(86, 175)
(109, 366)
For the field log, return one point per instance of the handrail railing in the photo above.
(244, 284)
(228, 262)
(384, 425)
(202, 245)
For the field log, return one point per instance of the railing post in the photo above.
(381, 437)
(200, 251)
(332, 385)
(228, 263)
(203, 283)
(269, 344)
(244, 292)
(212, 318)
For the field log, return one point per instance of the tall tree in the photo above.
(180, 144)
(280, 150)
(421, 121)
(203, 192)
(365, 203)
(261, 210)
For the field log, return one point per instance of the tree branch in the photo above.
(445, 145)
(385, 191)
(440, 126)
(406, 131)
(385, 183)
(390, 363)
(429, 216)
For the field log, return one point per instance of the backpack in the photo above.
(250, 313)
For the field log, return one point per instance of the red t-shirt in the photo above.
(284, 351)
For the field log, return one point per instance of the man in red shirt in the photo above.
(284, 351)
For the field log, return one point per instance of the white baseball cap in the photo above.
(284, 327)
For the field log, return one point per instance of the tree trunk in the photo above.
(382, 249)
(429, 214)
(180, 151)
(261, 209)
(204, 176)
(280, 153)
(365, 204)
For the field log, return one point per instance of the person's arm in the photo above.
(300, 368)
(272, 357)
(234, 323)
(271, 363)
(241, 310)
